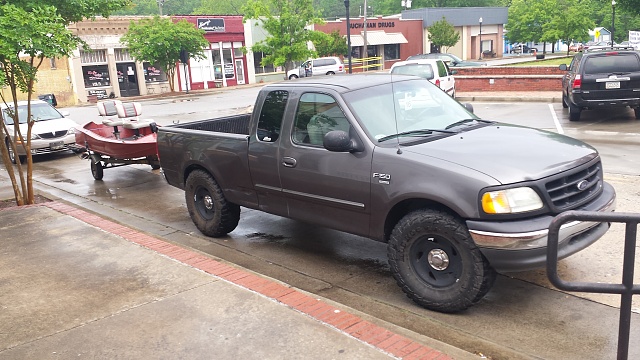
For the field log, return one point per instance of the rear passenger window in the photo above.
(612, 63)
(442, 71)
(271, 116)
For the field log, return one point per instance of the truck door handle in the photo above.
(289, 161)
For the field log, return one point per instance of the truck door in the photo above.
(327, 188)
(264, 149)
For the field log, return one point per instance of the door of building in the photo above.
(240, 71)
(127, 79)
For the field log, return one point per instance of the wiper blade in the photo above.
(415, 133)
(465, 121)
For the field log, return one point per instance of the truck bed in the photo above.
(234, 124)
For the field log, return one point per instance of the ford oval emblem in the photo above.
(582, 185)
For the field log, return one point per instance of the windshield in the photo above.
(39, 112)
(422, 70)
(405, 107)
(455, 58)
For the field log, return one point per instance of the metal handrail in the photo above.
(626, 289)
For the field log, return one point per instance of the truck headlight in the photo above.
(511, 201)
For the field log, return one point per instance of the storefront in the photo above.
(224, 62)
(105, 69)
(386, 40)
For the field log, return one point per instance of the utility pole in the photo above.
(365, 52)
(160, 5)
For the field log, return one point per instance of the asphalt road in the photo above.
(523, 316)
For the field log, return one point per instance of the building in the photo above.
(481, 29)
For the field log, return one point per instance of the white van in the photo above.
(320, 66)
(434, 70)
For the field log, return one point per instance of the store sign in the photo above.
(101, 94)
(211, 24)
(374, 25)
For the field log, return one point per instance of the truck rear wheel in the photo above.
(436, 263)
(212, 214)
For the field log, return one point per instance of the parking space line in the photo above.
(555, 120)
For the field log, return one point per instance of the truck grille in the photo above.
(52, 135)
(574, 188)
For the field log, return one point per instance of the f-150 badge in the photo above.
(382, 178)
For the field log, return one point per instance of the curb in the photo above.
(338, 319)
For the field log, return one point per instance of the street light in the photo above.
(480, 20)
(160, 5)
(613, 20)
(346, 4)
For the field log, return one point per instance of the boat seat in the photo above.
(137, 124)
(130, 110)
(109, 108)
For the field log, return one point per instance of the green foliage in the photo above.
(159, 41)
(285, 21)
(443, 34)
(228, 7)
(329, 44)
(72, 10)
(570, 22)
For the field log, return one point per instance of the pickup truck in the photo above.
(395, 159)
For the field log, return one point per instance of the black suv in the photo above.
(600, 78)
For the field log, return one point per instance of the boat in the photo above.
(118, 141)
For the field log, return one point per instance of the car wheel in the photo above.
(210, 211)
(574, 111)
(97, 170)
(436, 263)
(293, 77)
(12, 156)
(330, 73)
(637, 111)
(564, 100)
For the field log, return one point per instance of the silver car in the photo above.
(51, 131)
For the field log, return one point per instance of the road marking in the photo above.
(555, 120)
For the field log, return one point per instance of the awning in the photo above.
(378, 38)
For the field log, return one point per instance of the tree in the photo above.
(443, 34)
(169, 7)
(527, 18)
(571, 22)
(160, 40)
(285, 21)
(329, 44)
(230, 7)
(27, 36)
(72, 10)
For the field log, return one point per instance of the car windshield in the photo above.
(455, 58)
(406, 109)
(39, 112)
(423, 70)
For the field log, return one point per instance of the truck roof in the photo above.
(343, 83)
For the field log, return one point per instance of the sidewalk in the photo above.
(76, 284)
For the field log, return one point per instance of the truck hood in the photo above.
(509, 153)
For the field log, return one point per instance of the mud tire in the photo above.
(210, 211)
(467, 277)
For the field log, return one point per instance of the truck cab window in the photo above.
(317, 114)
(271, 115)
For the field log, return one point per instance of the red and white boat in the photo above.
(118, 141)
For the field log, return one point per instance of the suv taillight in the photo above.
(438, 82)
(576, 82)
(340, 68)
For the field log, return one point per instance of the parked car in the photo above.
(434, 70)
(521, 49)
(599, 44)
(576, 47)
(51, 131)
(320, 66)
(450, 59)
(602, 78)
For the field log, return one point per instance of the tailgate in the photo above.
(610, 76)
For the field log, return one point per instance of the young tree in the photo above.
(443, 34)
(30, 31)
(160, 40)
(285, 21)
(570, 21)
(527, 18)
(329, 44)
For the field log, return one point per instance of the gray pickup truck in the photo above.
(394, 159)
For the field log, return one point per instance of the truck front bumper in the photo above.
(522, 245)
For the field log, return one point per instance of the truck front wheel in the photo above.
(436, 263)
(210, 211)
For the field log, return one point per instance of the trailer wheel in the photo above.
(436, 263)
(97, 170)
(210, 211)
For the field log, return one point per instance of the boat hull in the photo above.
(131, 143)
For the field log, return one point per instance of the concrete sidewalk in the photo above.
(77, 285)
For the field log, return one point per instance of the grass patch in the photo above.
(546, 62)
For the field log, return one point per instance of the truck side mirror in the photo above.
(469, 107)
(563, 67)
(338, 141)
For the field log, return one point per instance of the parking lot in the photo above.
(523, 316)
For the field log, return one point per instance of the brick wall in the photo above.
(509, 78)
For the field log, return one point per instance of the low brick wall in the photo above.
(509, 78)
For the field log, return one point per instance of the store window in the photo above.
(96, 76)
(391, 52)
(153, 73)
(228, 64)
(259, 69)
